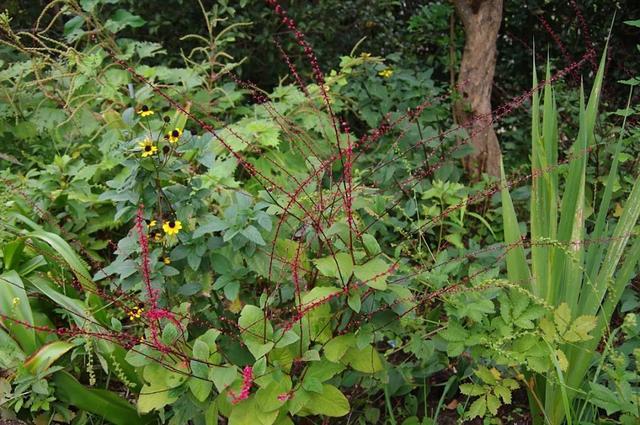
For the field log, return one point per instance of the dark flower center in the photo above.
(175, 133)
(172, 224)
(166, 119)
(145, 108)
(147, 148)
(166, 149)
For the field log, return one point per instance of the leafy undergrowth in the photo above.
(179, 246)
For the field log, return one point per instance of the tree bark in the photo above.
(481, 20)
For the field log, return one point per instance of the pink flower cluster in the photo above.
(247, 382)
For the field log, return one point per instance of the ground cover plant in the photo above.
(180, 245)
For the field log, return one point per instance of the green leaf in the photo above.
(253, 326)
(210, 224)
(635, 23)
(11, 253)
(517, 268)
(562, 360)
(201, 388)
(104, 404)
(223, 377)
(46, 356)
(493, 404)
(370, 245)
(122, 19)
(354, 301)
(253, 235)
(478, 408)
(562, 317)
(503, 392)
(488, 376)
(154, 396)
(331, 402)
(366, 360)
(200, 350)
(472, 389)
(335, 349)
(248, 412)
(267, 396)
(340, 266)
(15, 304)
(373, 273)
(324, 370)
(580, 328)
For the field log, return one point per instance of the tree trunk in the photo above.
(481, 20)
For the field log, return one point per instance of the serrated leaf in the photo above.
(493, 404)
(580, 328)
(503, 392)
(562, 360)
(478, 408)
(472, 389)
(562, 317)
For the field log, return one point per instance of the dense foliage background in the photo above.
(198, 227)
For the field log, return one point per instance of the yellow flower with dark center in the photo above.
(166, 260)
(148, 148)
(175, 134)
(145, 111)
(136, 313)
(156, 236)
(387, 73)
(172, 227)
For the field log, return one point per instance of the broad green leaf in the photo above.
(46, 355)
(200, 388)
(104, 404)
(339, 266)
(373, 273)
(366, 360)
(223, 377)
(248, 412)
(253, 326)
(14, 304)
(370, 244)
(154, 396)
(209, 224)
(335, 349)
(331, 402)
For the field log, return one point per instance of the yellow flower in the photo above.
(152, 223)
(365, 55)
(172, 227)
(166, 260)
(175, 134)
(148, 148)
(145, 111)
(136, 313)
(386, 73)
(156, 236)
